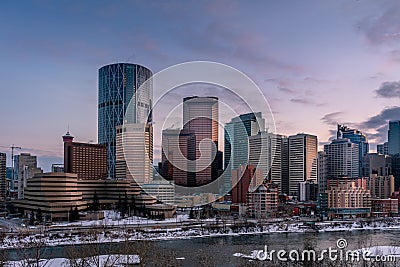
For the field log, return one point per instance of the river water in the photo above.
(218, 251)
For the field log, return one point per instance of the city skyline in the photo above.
(324, 75)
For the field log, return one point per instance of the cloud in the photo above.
(376, 126)
(306, 101)
(332, 118)
(389, 113)
(286, 90)
(316, 80)
(384, 27)
(378, 75)
(389, 90)
(221, 39)
(301, 101)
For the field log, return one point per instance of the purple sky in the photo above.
(317, 62)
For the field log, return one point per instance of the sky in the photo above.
(318, 63)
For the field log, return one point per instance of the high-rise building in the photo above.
(9, 177)
(3, 176)
(88, 161)
(380, 186)
(308, 190)
(236, 147)
(383, 149)
(178, 152)
(244, 179)
(394, 137)
(200, 117)
(396, 170)
(342, 158)
(356, 137)
(302, 160)
(375, 163)
(266, 154)
(322, 171)
(134, 152)
(25, 167)
(285, 165)
(119, 85)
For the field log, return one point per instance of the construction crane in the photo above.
(12, 162)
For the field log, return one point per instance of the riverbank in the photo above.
(211, 229)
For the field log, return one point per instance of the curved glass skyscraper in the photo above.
(118, 85)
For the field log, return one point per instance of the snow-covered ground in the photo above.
(113, 218)
(163, 233)
(101, 260)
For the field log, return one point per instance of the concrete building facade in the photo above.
(134, 153)
(343, 156)
(88, 161)
(54, 194)
(25, 167)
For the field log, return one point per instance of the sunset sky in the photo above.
(317, 62)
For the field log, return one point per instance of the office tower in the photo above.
(394, 137)
(118, 86)
(134, 152)
(379, 164)
(285, 165)
(25, 167)
(342, 158)
(3, 189)
(9, 174)
(245, 178)
(200, 117)
(356, 137)
(308, 191)
(380, 186)
(236, 144)
(266, 154)
(178, 150)
(88, 161)
(396, 170)
(383, 149)
(322, 176)
(302, 160)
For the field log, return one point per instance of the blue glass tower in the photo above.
(356, 137)
(236, 147)
(394, 137)
(118, 85)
